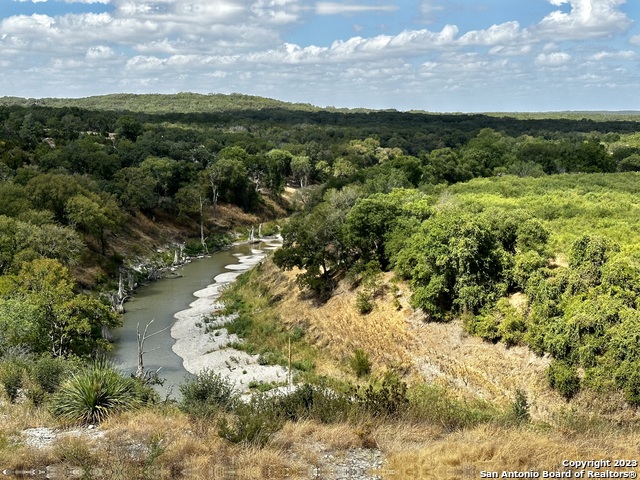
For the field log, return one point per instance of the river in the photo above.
(160, 301)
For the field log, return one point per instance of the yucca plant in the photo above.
(93, 394)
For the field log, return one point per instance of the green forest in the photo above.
(470, 210)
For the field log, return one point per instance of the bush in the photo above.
(254, 423)
(49, 372)
(93, 394)
(520, 407)
(12, 374)
(313, 402)
(364, 303)
(563, 378)
(207, 393)
(434, 404)
(388, 400)
(627, 378)
(360, 363)
(484, 326)
(38, 378)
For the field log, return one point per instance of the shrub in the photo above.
(627, 378)
(364, 303)
(485, 326)
(563, 378)
(239, 326)
(93, 394)
(390, 399)
(207, 393)
(12, 374)
(49, 372)
(254, 423)
(434, 404)
(520, 407)
(360, 363)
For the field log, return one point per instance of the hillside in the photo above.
(185, 102)
(150, 103)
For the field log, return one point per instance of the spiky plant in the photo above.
(93, 394)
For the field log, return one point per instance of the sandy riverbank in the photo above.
(200, 350)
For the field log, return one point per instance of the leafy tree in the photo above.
(315, 242)
(51, 191)
(13, 200)
(367, 224)
(136, 189)
(343, 168)
(630, 163)
(444, 165)
(191, 201)
(455, 263)
(526, 169)
(278, 167)
(162, 170)
(86, 213)
(73, 324)
(128, 127)
(228, 181)
(23, 241)
(301, 169)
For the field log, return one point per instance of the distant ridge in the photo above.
(186, 102)
(164, 103)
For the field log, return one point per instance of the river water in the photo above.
(160, 301)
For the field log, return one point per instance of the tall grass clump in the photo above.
(94, 394)
(360, 363)
(430, 403)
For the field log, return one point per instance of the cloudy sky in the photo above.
(437, 55)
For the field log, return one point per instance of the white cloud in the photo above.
(511, 50)
(624, 55)
(587, 19)
(428, 8)
(503, 33)
(334, 8)
(100, 52)
(556, 59)
(239, 45)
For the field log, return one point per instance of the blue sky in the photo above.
(436, 55)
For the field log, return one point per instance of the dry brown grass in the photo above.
(337, 329)
(463, 455)
(165, 443)
(301, 435)
(149, 443)
(400, 339)
(15, 417)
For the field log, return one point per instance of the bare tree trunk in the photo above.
(202, 239)
(141, 338)
(121, 291)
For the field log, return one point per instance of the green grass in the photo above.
(569, 205)
(261, 329)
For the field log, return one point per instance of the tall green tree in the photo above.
(73, 324)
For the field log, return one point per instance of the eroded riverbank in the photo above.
(204, 343)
